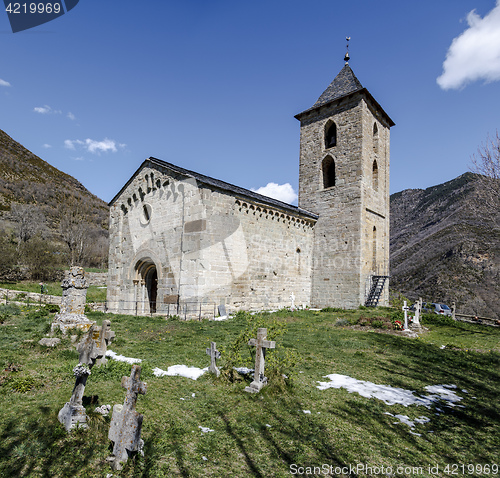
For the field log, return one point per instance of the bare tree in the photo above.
(486, 164)
(30, 221)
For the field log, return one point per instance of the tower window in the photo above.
(328, 170)
(375, 137)
(375, 176)
(330, 135)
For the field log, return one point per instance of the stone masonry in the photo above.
(177, 236)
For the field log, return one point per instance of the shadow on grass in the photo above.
(298, 439)
(39, 444)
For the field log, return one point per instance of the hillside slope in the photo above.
(441, 251)
(66, 210)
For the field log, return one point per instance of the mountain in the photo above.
(50, 204)
(442, 250)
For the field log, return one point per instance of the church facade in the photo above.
(180, 239)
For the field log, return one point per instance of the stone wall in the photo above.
(203, 244)
(348, 210)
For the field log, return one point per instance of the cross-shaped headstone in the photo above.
(104, 338)
(73, 413)
(126, 422)
(261, 345)
(406, 309)
(214, 355)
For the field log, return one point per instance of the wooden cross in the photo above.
(261, 344)
(214, 354)
(126, 422)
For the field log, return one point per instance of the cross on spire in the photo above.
(346, 57)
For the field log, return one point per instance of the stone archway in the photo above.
(146, 276)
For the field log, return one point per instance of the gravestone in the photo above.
(261, 345)
(126, 422)
(292, 299)
(72, 314)
(73, 413)
(405, 309)
(104, 338)
(222, 310)
(214, 355)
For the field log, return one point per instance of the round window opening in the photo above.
(146, 213)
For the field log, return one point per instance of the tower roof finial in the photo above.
(346, 58)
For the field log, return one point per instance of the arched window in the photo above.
(375, 137)
(374, 256)
(328, 170)
(330, 134)
(375, 176)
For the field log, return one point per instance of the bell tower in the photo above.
(344, 178)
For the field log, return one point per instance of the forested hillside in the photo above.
(443, 249)
(47, 218)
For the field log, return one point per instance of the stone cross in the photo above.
(73, 413)
(292, 298)
(214, 354)
(453, 310)
(406, 309)
(261, 345)
(126, 422)
(104, 337)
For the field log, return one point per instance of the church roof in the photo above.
(344, 84)
(217, 183)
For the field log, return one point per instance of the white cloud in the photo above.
(47, 145)
(93, 146)
(71, 116)
(45, 110)
(4, 83)
(281, 192)
(475, 54)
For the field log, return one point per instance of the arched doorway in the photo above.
(147, 274)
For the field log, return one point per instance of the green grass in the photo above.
(260, 435)
(94, 293)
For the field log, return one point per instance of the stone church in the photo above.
(180, 239)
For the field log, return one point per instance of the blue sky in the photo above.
(213, 85)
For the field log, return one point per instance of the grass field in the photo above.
(266, 434)
(94, 293)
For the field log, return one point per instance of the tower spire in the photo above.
(346, 58)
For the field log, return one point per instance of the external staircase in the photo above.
(377, 287)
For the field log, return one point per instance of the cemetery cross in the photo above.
(214, 355)
(261, 345)
(126, 422)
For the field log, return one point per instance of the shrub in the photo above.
(38, 314)
(22, 384)
(437, 319)
(342, 323)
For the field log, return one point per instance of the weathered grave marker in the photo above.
(72, 314)
(214, 355)
(126, 422)
(292, 299)
(105, 337)
(261, 345)
(73, 413)
(91, 350)
(222, 310)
